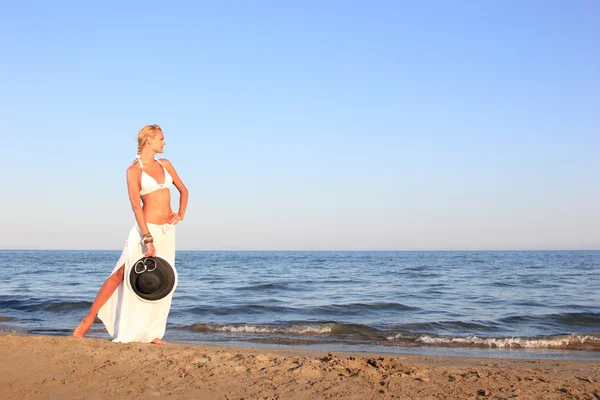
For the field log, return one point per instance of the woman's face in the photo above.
(157, 142)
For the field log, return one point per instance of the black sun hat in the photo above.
(152, 278)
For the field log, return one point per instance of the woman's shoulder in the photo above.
(165, 162)
(167, 165)
(134, 168)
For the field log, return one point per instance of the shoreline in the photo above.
(430, 350)
(49, 367)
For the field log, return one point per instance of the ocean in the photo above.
(469, 303)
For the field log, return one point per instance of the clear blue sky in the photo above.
(308, 125)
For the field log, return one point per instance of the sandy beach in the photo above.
(46, 367)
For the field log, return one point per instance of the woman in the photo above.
(128, 318)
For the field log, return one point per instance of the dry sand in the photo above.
(42, 367)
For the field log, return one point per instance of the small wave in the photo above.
(243, 328)
(59, 306)
(529, 303)
(266, 286)
(241, 309)
(571, 342)
(573, 319)
(287, 341)
(478, 261)
(504, 284)
(336, 281)
(326, 310)
(358, 308)
(446, 326)
(330, 328)
(418, 268)
(577, 319)
(40, 305)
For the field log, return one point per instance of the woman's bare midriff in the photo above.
(157, 206)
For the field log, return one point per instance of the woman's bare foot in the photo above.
(158, 341)
(83, 327)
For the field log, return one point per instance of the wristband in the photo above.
(147, 238)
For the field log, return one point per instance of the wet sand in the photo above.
(46, 367)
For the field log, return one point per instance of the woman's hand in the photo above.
(150, 250)
(174, 218)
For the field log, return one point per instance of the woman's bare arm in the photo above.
(134, 179)
(183, 192)
(133, 187)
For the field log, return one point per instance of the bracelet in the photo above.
(147, 238)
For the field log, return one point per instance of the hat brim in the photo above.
(164, 270)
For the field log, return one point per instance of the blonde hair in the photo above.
(142, 137)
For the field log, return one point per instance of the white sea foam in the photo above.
(514, 342)
(297, 329)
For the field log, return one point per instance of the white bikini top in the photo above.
(149, 184)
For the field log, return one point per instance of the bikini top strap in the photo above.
(159, 163)
(141, 165)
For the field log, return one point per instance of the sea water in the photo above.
(497, 303)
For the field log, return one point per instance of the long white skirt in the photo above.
(127, 317)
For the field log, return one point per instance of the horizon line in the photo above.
(314, 251)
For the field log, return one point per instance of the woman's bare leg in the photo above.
(107, 289)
